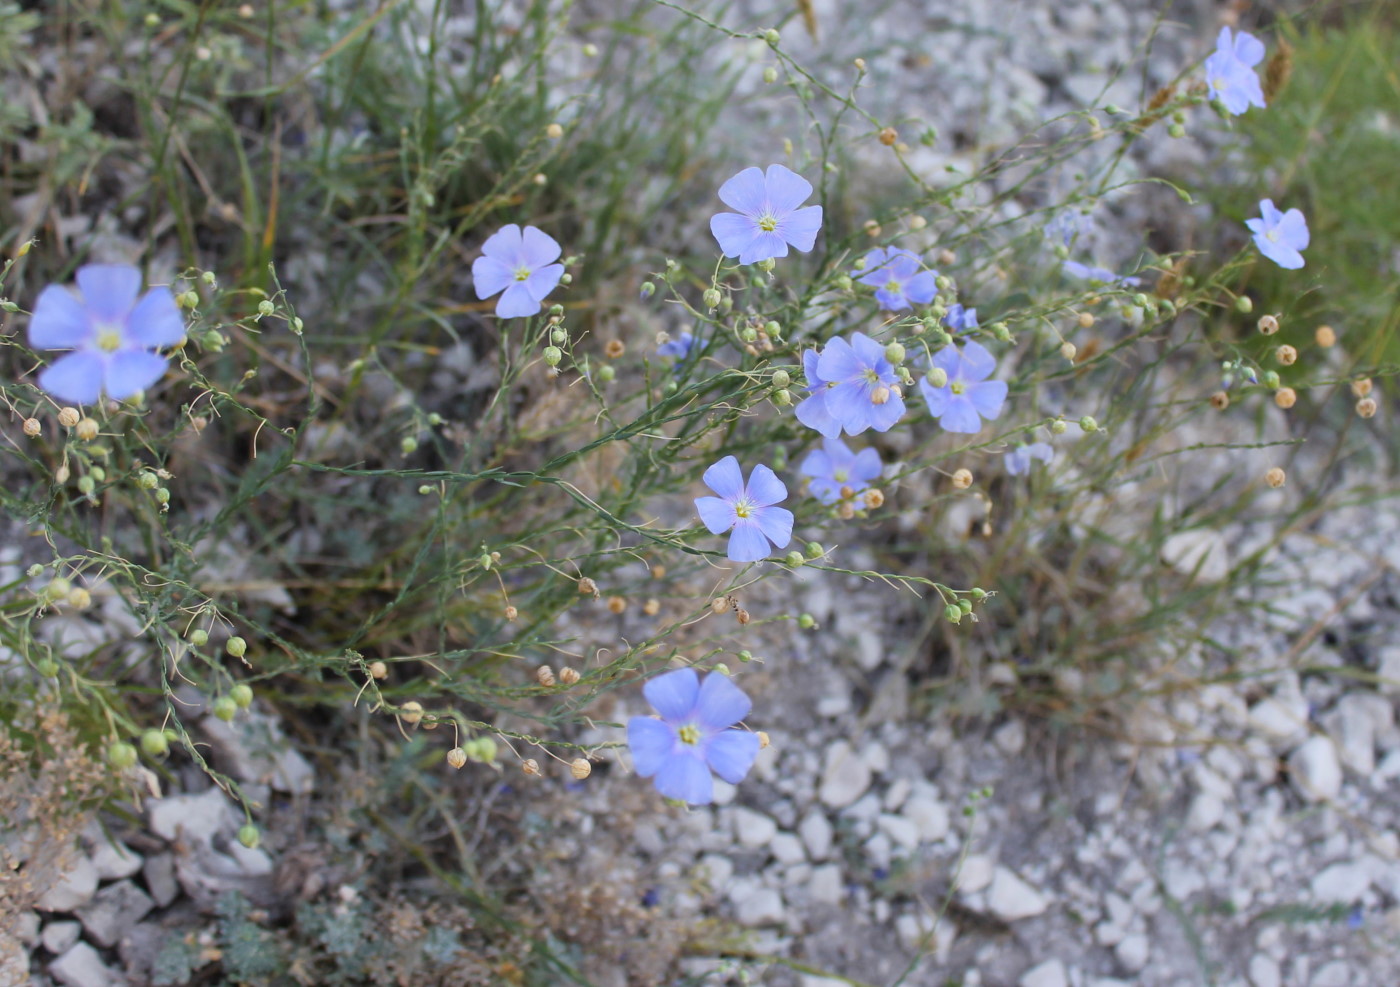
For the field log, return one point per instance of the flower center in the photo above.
(767, 222)
(743, 507)
(871, 377)
(1271, 236)
(522, 273)
(892, 286)
(689, 734)
(957, 387)
(109, 338)
(841, 476)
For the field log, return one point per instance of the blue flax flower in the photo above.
(112, 334)
(521, 264)
(747, 508)
(1020, 459)
(677, 347)
(968, 397)
(838, 473)
(692, 737)
(896, 278)
(960, 319)
(854, 387)
(1098, 275)
(770, 215)
(1068, 226)
(1280, 235)
(1230, 71)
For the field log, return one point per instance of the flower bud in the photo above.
(61, 475)
(1244, 304)
(894, 352)
(1325, 336)
(648, 289)
(456, 757)
(153, 742)
(1220, 400)
(770, 74)
(568, 676)
(1274, 477)
(1268, 324)
(1271, 379)
(938, 377)
(545, 676)
(1366, 407)
(1285, 397)
(580, 768)
(1361, 387)
(242, 694)
(872, 228)
(1286, 355)
(249, 836)
(237, 647)
(962, 479)
(411, 712)
(224, 708)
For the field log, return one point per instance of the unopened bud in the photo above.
(1366, 407)
(1271, 379)
(1286, 355)
(456, 757)
(545, 676)
(1275, 477)
(962, 479)
(806, 621)
(1268, 324)
(408, 445)
(1285, 397)
(1244, 304)
(580, 768)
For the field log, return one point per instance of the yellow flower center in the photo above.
(743, 508)
(892, 286)
(957, 387)
(689, 734)
(522, 274)
(870, 375)
(1271, 236)
(767, 223)
(109, 338)
(841, 476)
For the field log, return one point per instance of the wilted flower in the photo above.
(896, 278)
(521, 264)
(693, 735)
(968, 397)
(770, 215)
(112, 334)
(1019, 460)
(746, 508)
(1230, 71)
(837, 472)
(1280, 235)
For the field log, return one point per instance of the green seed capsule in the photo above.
(965, 605)
(241, 694)
(249, 836)
(237, 647)
(1089, 424)
(814, 550)
(153, 742)
(121, 755)
(199, 637)
(953, 612)
(225, 708)
(781, 378)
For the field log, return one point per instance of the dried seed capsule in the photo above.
(1285, 397)
(32, 427)
(1069, 351)
(888, 135)
(1086, 320)
(580, 768)
(742, 615)
(1366, 407)
(652, 607)
(378, 670)
(531, 767)
(763, 740)
(873, 498)
(719, 604)
(1275, 477)
(568, 676)
(456, 757)
(962, 479)
(1325, 336)
(1220, 400)
(545, 676)
(587, 587)
(617, 604)
(68, 417)
(511, 612)
(1286, 355)
(1268, 324)
(411, 712)
(86, 429)
(1361, 388)
(614, 349)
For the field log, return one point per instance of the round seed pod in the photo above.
(411, 712)
(1268, 324)
(1220, 400)
(545, 676)
(962, 479)
(568, 676)
(86, 429)
(580, 768)
(68, 417)
(1325, 336)
(32, 427)
(531, 767)
(1275, 477)
(1366, 407)
(456, 757)
(1285, 397)
(1286, 355)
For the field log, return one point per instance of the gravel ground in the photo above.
(1244, 833)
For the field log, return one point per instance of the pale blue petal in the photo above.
(891, 301)
(811, 362)
(538, 247)
(506, 245)
(1223, 42)
(977, 363)
(776, 525)
(747, 543)
(1018, 461)
(849, 403)
(129, 372)
(868, 352)
(726, 479)
(765, 488)
(866, 465)
(721, 703)
(1270, 212)
(1249, 49)
(734, 232)
(801, 228)
(109, 290)
(517, 302)
(817, 463)
(786, 189)
(921, 288)
(1293, 229)
(59, 321)
(883, 417)
(764, 246)
(838, 361)
(687, 778)
(673, 694)
(746, 192)
(988, 397)
(731, 754)
(960, 415)
(949, 361)
(814, 413)
(542, 282)
(75, 378)
(716, 514)
(872, 272)
(490, 276)
(935, 397)
(826, 490)
(156, 320)
(651, 742)
(1043, 451)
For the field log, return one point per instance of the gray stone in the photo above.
(82, 966)
(845, 778)
(787, 849)
(929, 816)
(976, 873)
(1334, 974)
(1010, 898)
(59, 937)
(1388, 670)
(753, 829)
(816, 833)
(1051, 973)
(258, 752)
(1264, 971)
(1010, 737)
(113, 911)
(826, 886)
(1132, 953)
(1342, 883)
(758, 906)
(27, 928)
(902, 832)
(1315, 770)
(112, 858)
(74, 887)
(159, 874)
(1199, 551)
(1281, 721)
(717, 871)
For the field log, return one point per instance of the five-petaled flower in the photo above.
(770, 215)
(894, 274)
(853, 386)
(677, 347)
(112, 334)
(521, 264)
(1230, 71)
(838, 473)
(1098, 275)
(968, 397)
(1019, 460)
(693, 735)
(1280, 235)
(748, 508)
(960, 319)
